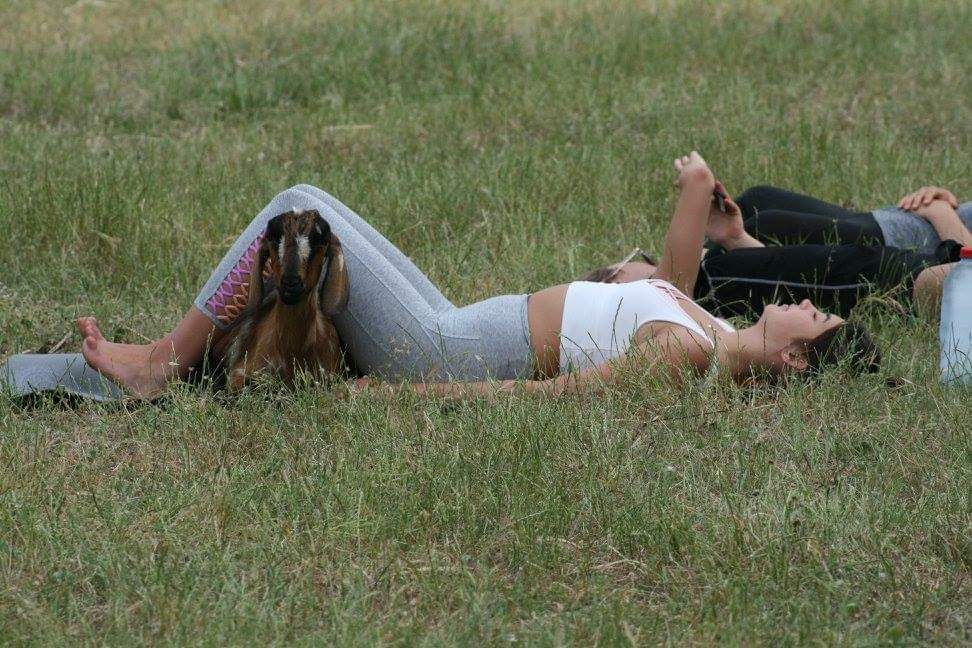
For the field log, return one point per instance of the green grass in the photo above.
(505, 148)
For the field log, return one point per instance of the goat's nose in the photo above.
(291, 290)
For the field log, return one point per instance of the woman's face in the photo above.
(795, 323)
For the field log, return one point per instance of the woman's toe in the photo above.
(92, 353)
(93, 330)
(85, 326)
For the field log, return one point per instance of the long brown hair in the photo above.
(601, 275)
(607, 273)
(851, 343)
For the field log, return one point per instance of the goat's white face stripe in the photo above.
(280, 250)
(303, 248)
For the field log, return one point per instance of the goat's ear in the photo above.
(335, 286)
(256, 274)
(321, 232)
(275, 227)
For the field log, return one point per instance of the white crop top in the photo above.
(600, 319)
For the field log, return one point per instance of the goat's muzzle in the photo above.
(291, 291)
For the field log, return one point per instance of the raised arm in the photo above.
(683, 243)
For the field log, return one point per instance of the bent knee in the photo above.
(304, 196)
(294, 194)
(308, 189)
(301, 193)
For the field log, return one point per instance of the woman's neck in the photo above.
(741, 352)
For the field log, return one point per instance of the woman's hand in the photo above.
(692, 170)
(362, 383)
(371, 385)
(724, 228)
(924, 197)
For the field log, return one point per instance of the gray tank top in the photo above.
(907, 230)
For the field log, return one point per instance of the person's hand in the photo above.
(924, 197)
(692, 170)
(362, 383)
(724, 227)
(372, 386)
(936, 209)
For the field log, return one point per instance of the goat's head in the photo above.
(307, 262)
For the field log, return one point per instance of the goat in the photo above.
(289, 327)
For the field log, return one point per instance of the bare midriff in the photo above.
(545, 312)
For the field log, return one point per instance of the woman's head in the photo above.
(622, 272)
(799, 337)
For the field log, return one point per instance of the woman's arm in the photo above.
(924, 197)
(946, 221)
(670, 349)
(928, 289)
(683, 243)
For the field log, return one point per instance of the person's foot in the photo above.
(141, 369)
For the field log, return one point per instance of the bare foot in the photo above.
(141, 369)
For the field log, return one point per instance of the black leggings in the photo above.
(781, 217)
(834, 277)
(823, 252)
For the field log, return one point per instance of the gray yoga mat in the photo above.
(36, 373)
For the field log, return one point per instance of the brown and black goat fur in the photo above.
(287, 327)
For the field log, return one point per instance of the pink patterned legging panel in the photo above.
(233, 292)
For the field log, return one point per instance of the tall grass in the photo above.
(504, 147)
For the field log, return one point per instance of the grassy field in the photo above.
(505, 147)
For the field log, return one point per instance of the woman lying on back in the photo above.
(783, 245)
(566, 338)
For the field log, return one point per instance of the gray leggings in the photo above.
(397, 323)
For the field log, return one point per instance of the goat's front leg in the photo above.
(236, 380)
